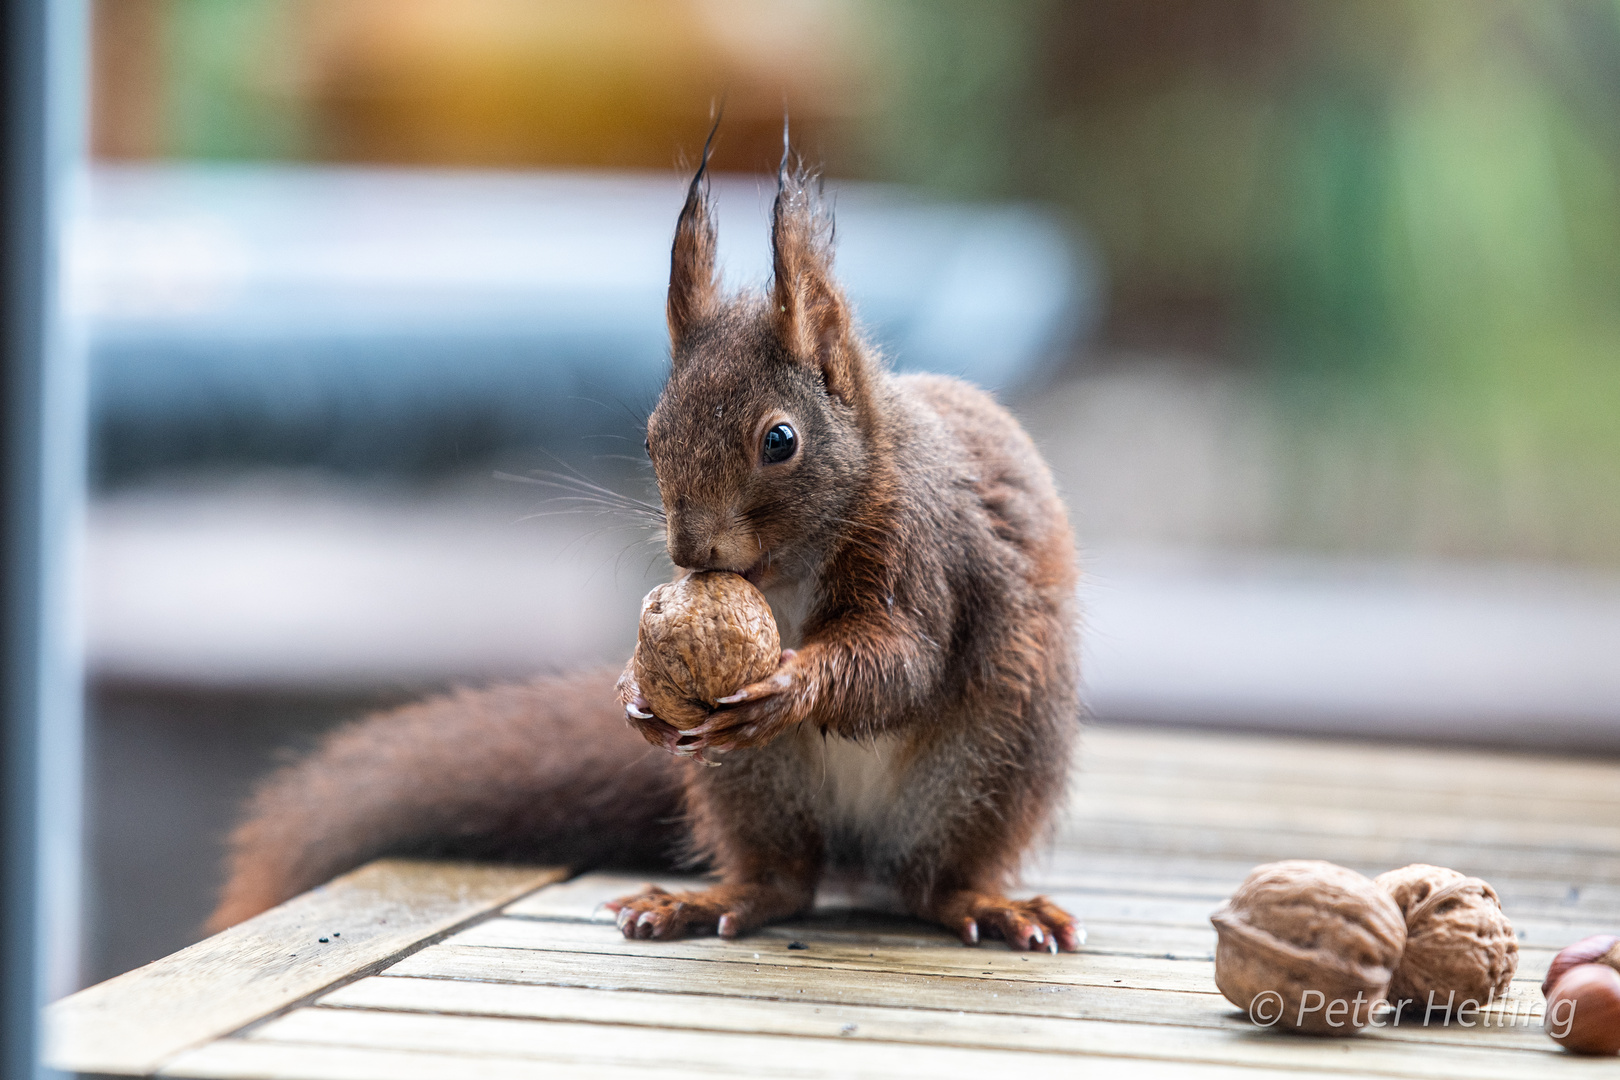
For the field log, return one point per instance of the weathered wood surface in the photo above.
(1163, 826)
(365, 919)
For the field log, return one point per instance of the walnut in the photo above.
(702, 638)
(1459, 945)
(1308, 945)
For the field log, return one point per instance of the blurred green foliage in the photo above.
(230, 88)
(1404, 213)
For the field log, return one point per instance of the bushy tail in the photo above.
(545, 771)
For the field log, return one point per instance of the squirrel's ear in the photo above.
(693, 282)
(811, 314)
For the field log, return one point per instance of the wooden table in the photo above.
(408, 969)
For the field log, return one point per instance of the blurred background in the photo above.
(1314, 308)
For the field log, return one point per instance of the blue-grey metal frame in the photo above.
(43, 446)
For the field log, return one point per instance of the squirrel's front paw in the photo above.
(757, 713)
(639, 715)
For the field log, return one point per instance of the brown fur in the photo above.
(919, 729)
(544, 770)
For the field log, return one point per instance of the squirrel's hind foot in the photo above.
(1036, 924)
(656, 914)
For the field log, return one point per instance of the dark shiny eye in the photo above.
(646, 444)
(780, 443)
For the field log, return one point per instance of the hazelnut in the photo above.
(703, 637)
(1459, 945)
(1598, 949)
(1318, 941)
(1583, 1011)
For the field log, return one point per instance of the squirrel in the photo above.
(918, 731)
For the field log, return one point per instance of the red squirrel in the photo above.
(918, 731)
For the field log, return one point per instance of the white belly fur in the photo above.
(859, 785)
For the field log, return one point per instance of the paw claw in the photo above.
(1033, 925)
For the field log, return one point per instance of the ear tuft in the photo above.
(811, 314)
(694, 284)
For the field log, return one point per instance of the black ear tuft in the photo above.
(693, 283)
(811, 313)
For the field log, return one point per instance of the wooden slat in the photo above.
(243, 1059)
(1133, 998)
(725, 1053)
(644, 971)
(133, 1023)
(1508, 805)
(852, 953)
(1589, 838)
(1393, 769)
(865, 1024)
(1259, 843)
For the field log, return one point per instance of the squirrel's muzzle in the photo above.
(700, 540)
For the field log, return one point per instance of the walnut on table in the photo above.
(1308, 945)
(1459, 945)
(702, 638)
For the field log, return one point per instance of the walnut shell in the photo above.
(1459, 945)
(702, 638)
(1301, 939)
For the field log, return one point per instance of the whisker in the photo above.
(580, 489)
(581, 478)
(605, 505)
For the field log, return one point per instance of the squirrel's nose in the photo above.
(689, 554)
(700, 542)
(691, 547)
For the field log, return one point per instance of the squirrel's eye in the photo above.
(780, 443)
(646, 444)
